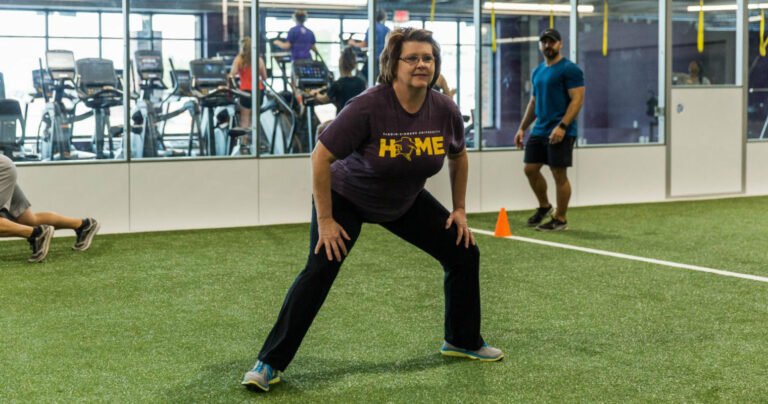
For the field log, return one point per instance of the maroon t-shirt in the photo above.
(386, 154)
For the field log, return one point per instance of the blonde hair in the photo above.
(245, 51)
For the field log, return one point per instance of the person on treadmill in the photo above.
(241, 67)
(300, 38)
(346, 87)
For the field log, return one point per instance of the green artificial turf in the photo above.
(180, 316)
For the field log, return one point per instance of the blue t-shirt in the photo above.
(301, 40)
(550, 88)
(381, 37)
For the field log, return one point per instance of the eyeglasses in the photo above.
(413, 60)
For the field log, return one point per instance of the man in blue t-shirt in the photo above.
(300, 38)
(381, 32)
(558, 94)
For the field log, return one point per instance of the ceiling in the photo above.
(617, 8)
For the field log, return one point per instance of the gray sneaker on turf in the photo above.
(261, 376)
(553, 224)
(40, 243)
(85, 234)
(486, 353)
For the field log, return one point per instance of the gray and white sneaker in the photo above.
(40, 243)
(261, 376)
(554, 224)
(85, 234)
(486, 353)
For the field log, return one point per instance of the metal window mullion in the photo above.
(665, 84)
(47, 31)
(458, 62)
(476, 119)
(255, 92)
(573, 28)
(742, 79)
(101, 42)
(127, 80)
(371, 41)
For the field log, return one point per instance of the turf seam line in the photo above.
(630, 257)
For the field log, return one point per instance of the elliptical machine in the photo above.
(149, 113)
(97, 89)
(210, 86)
(56, 129)
(307, 75)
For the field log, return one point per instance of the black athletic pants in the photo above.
(423, 225)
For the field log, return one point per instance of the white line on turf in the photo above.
(630, 257)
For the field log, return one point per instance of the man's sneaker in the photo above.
(85, 234)
(261, 376)
(539, 216)
(40, 241)
(486, 353)
(553, 225)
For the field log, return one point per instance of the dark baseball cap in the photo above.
(551, 34)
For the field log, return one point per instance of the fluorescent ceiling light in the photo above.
(724, 7)
(522, 39)
(535, 8)
(339, 4)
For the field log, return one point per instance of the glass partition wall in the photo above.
(619, 53)
(757, 67)
(184, 99)
(61, 95)
(506, 70)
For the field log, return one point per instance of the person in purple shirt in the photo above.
(370, 165)
(300, 38)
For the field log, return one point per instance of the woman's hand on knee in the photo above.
(459, 217)
(331, 236)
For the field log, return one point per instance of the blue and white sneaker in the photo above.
(261, 376)
(486, 353)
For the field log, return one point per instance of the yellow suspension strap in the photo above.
(432, 12)
(493, 26)
(763, 42)
(700, 39)
(551, 14)
(605, 28)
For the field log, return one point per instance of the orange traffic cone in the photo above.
(502, 225)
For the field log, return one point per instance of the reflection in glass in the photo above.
(716, 62)
(22, 23)
(506, 74)
(307, 64)
(757, 105)
(612, 114)
(73, 24)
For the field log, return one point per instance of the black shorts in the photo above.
(246, 102)
(539, 151)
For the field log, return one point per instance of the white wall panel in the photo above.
(285, 190)
(167, 195)
(194, 194)
(609, 175)
(503, 183)
(440, 185)
(80, 190)
(757, 168)
(706, 142)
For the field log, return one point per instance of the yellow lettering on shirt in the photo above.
(406, 146)
(437, 145)
(387, 145)
(423, 145)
